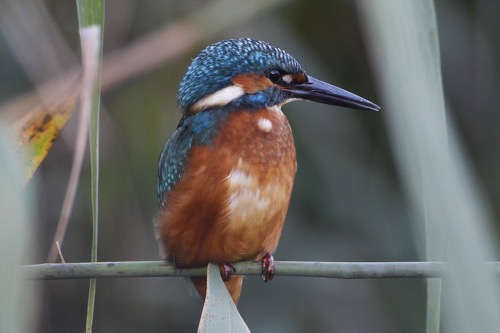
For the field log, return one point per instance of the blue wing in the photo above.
(173, 161)
(198, 129)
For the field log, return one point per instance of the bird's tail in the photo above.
(233, 286)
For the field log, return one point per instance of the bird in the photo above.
(225, 175)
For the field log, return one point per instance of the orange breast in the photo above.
(232, 200)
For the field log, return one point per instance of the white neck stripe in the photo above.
(219, 98)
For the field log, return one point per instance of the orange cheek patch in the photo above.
(299, 78)
(252, 83)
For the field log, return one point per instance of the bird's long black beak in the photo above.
(322, 92)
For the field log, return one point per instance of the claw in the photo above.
(268, 269)
(225, 271)
(178, 270)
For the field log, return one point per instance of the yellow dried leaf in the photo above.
(36, 132)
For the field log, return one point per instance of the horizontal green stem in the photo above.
(340, 270)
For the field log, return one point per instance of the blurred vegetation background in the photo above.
(347, 204)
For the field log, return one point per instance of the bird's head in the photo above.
(251, 74)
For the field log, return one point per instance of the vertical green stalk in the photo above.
(426, 14)
(90, 15)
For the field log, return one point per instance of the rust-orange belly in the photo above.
(231, 202)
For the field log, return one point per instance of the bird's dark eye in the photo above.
(274, 75)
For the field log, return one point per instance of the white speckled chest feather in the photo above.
(260, 182)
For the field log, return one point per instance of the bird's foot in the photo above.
(226, 270)
(171, 260)
(268, 269)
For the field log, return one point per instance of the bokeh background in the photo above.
(348, 203)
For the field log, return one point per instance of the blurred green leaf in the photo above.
(447, 201)
(18, 302)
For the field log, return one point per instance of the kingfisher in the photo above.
(225, 176)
